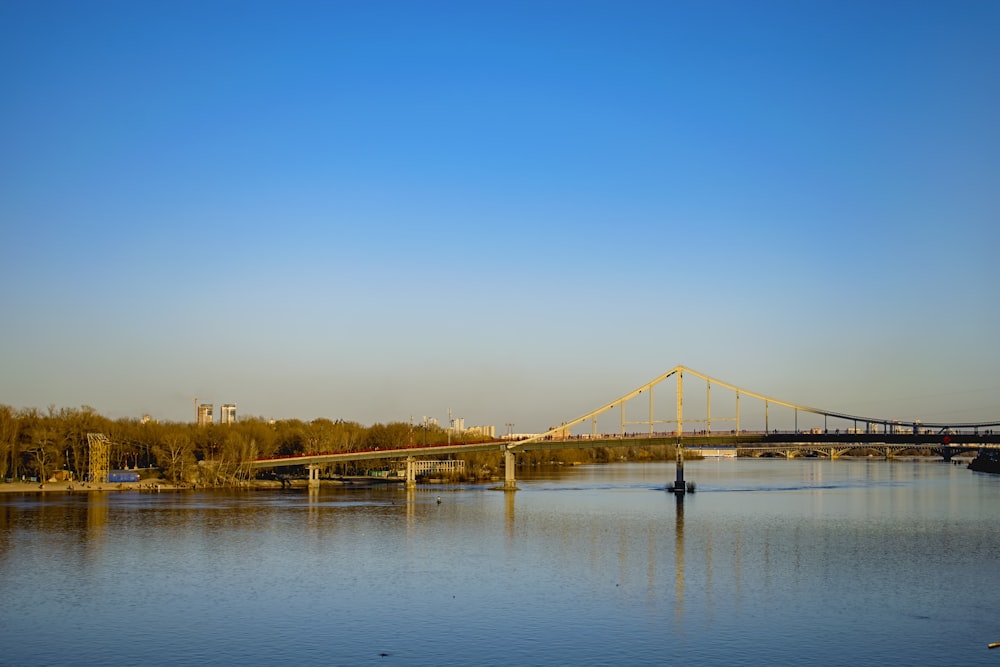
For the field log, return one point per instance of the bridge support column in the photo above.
(509, 483)
(411, 473)
(313, 476)
(679, 487)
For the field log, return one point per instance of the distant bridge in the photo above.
(849, 432)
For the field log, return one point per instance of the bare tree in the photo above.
(174, 455)
(45, 450)
(8, 441)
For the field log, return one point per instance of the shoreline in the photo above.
(155, 485)
(151, 485)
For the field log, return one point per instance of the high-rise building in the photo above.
(205, 414)
(228, 413)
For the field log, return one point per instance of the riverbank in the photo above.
(74, 487)
(155, 485)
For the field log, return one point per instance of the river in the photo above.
(850, 562)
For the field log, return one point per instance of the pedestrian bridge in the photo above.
(776, 427)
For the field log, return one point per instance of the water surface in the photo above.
(861, 562)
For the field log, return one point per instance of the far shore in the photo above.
(146, 486)
(155, 485)
(64, 487)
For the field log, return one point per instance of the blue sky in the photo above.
(519, 211)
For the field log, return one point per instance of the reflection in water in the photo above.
(97, 515)
(651, 559)
(623, 544)
(97, 511)
(8, 519)
(411, 510)
(314, 504)
(679, 559)
(709, 548)
(508, 506)
(738, 563)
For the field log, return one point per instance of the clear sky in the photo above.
(516, 210)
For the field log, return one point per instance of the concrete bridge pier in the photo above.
(411, 473)
(313, 476)
(679, 487)
(509, 483)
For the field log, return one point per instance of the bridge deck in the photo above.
(741, 440)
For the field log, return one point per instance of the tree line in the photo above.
(37, 444)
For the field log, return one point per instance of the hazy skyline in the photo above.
(519, 211)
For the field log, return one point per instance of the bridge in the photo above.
(640, 420)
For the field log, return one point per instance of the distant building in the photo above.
(228, 414)
(714, 452)
(488, 431)
(559, 433)
(518, 436)
(205, 414)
